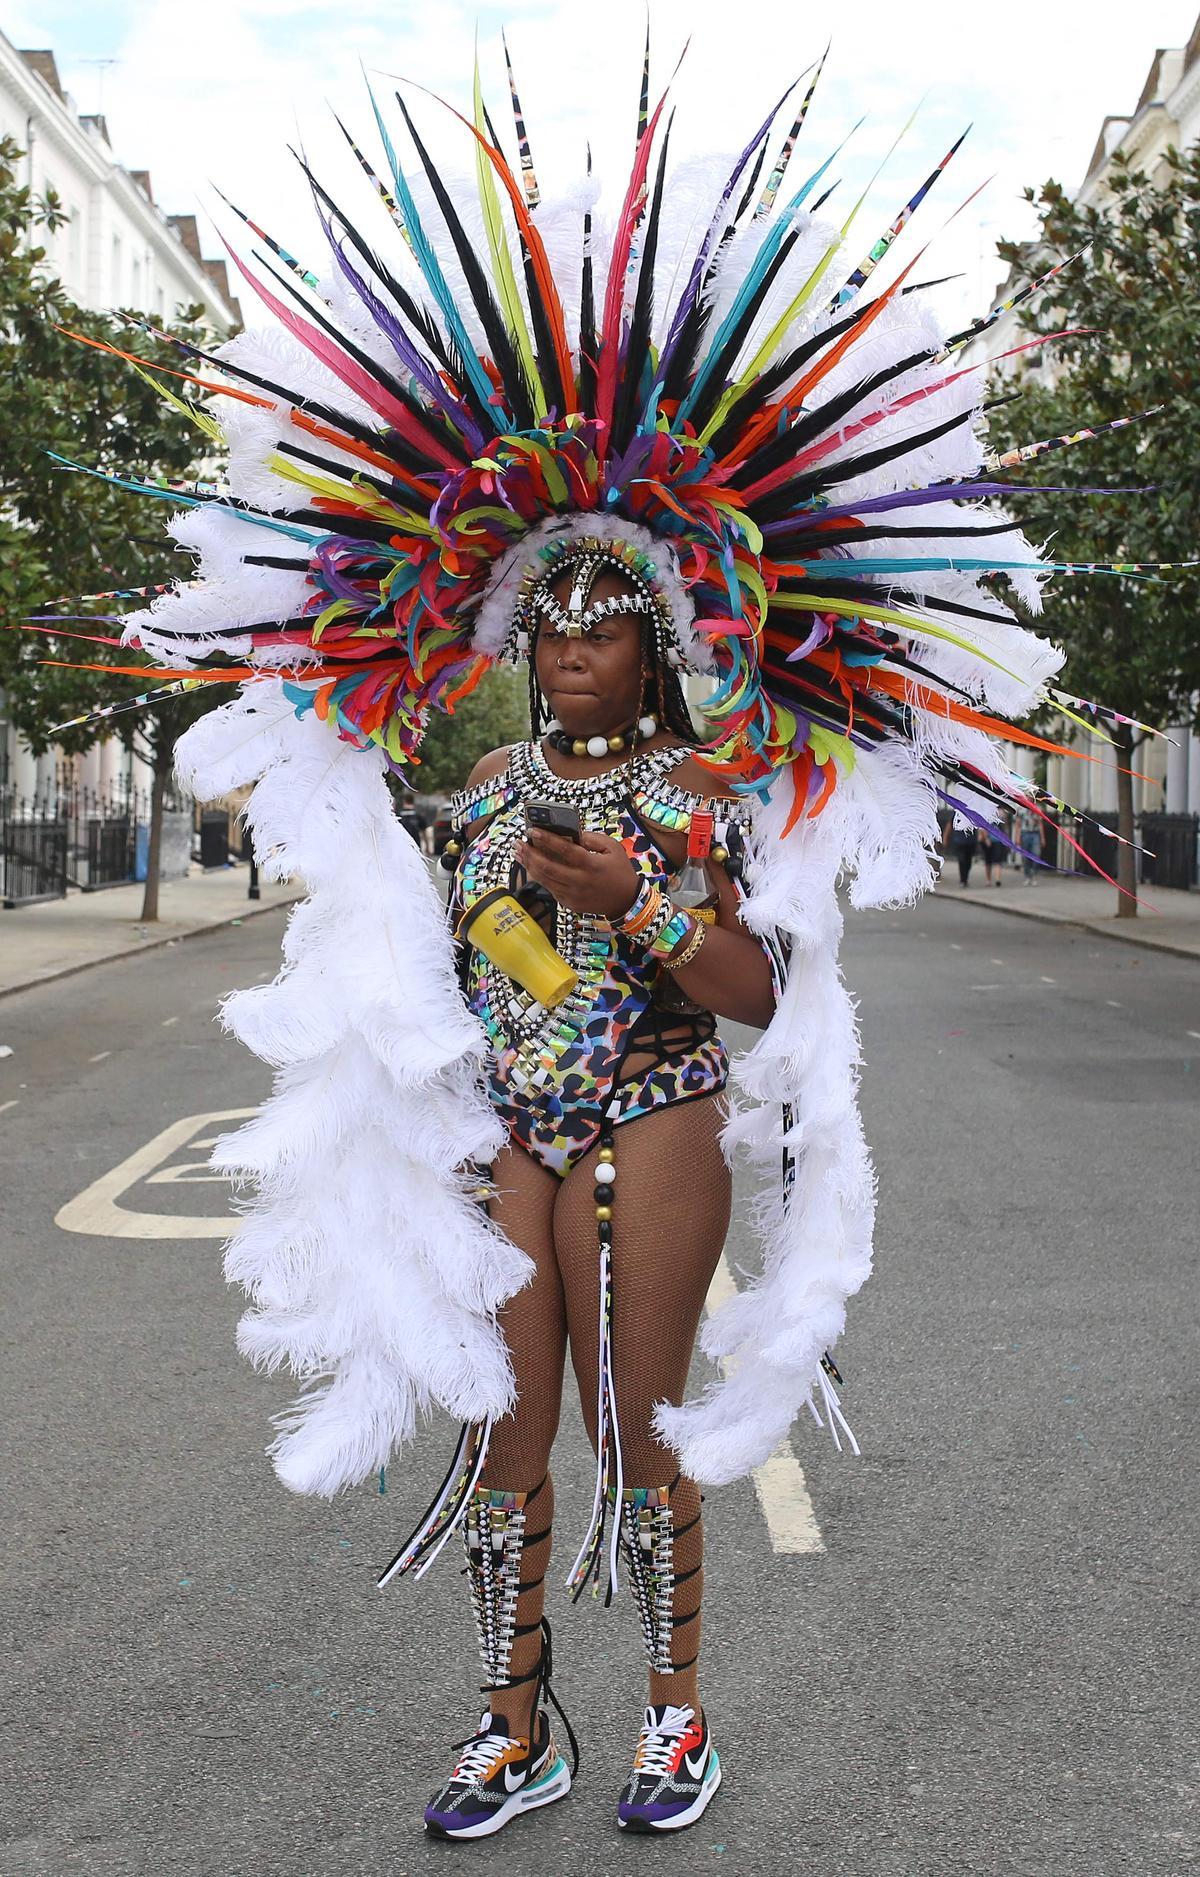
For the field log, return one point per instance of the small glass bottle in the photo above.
(691, 888)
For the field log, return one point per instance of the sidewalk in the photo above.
(1167, 920)
(61, 936)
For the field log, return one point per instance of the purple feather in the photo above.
(402, 345)
(695, 278)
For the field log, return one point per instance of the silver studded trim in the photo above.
(494, 1534)
(647, 1539)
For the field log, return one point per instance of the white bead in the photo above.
(647, 726)
(605, 1173)
(554, 724)
(597, 746)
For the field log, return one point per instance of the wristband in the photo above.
(644, 905)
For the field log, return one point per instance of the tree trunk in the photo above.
(162, 769)
(1126, 857)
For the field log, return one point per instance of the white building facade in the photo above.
(117, 249)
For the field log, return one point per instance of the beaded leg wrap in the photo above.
(648, 1535)
(589, 1564)
(494, 1535)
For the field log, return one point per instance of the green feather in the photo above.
(502, 268)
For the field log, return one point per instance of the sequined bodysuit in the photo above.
(554, 1074)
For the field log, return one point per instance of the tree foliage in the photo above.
(496, 712)
(1133, 644)
(67, 534)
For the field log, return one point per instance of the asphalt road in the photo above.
(990, 1667)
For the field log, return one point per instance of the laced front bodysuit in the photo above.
(614, 1047)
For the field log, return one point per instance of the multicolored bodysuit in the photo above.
(555, 1075)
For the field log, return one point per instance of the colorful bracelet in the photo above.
(639, 914)
(673, 931)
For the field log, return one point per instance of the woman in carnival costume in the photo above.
(688, 444)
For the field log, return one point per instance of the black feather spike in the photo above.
(637, 345)
(516, 388)
(587, 314)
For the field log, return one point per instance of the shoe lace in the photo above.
(478, 1755)
(659, 1736)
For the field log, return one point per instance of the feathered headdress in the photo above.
(797, 467)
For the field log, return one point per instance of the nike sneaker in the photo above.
(496, 1777)
(675, 1772)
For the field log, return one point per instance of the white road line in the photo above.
(985, 987)
(995, 961)
(1046, 980)
(168, 1021)
(1113, 1003)
(779, 1482)
(101, 1056)
(955, 948)
(6, 1105)
(1195, 1033)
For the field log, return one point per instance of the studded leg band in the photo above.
(648, 1537)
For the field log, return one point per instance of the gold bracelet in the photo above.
(689, 951)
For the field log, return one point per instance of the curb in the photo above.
(1144, 942)
(148, 945)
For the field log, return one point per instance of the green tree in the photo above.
(1133, 645)
(63, 533)
(496, 712)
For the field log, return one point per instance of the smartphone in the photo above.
(554, 818)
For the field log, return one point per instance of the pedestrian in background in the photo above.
(995, 848)
(964, 842)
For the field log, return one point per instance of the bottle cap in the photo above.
(700, 834)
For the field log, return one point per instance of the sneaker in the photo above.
(496, 1777)
(675, 1772)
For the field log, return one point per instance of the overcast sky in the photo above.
(215, 93)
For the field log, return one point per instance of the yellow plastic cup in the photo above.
(499, 926)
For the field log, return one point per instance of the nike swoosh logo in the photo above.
(696, 1770)
(513, 1783)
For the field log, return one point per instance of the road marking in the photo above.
(101, 1056)
(168, 1021)
(1046, 980)
(995, 961)
(95, 1210)
(779, 1482)
(1195, 1033)
(1113, 1003)
(985, 987)
(6, 1105)
(955, 948)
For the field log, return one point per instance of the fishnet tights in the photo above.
(670, 1217)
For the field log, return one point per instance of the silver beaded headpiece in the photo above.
(585, 558)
